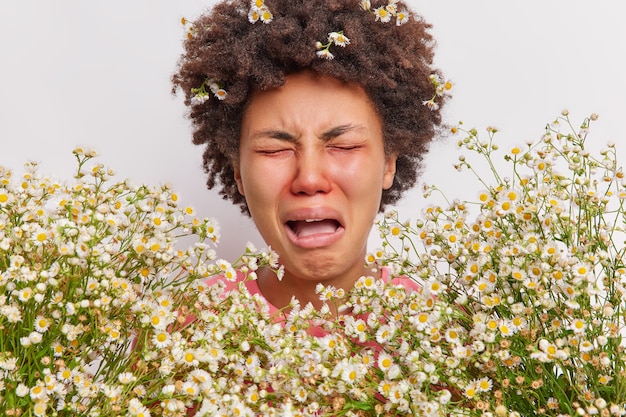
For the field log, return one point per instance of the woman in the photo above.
(314, 116)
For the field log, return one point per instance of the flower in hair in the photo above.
(402, 17)
(200, 94)
(385, 13)
(190, 29)
(382, 14)
(392, 8)
(336, 38)
(259, 11)
(442, 88)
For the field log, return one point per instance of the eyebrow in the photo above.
(326, 136)
(339, 130)
(274, 134)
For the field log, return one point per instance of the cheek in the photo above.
(262, 183)
(361, 175)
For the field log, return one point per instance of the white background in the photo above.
(96, 73)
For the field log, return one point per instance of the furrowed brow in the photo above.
(340, 130)
(273, 134)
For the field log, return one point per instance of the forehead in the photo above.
(309, 97)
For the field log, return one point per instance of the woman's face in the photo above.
(312, 168)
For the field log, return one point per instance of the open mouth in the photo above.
(309, 227)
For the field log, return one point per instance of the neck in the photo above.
(280, 293)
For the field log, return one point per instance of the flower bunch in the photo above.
(533, 271)
(519, 309)
(84, 268)
(190, 28)
(442, 88)
(201, 95)
(209, 86)
(235, 358)
(103, 313)
(385, 13)
(259, 11)
(336, 38)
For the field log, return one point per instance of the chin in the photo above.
(320, 267)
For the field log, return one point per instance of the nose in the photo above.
(311, 174)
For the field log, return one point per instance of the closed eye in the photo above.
(271, 152)
(273, 145)
(345, 146)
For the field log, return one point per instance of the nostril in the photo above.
(310, 182)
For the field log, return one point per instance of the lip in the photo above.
(318, 240)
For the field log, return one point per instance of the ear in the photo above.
(390, 171)
(238, 179)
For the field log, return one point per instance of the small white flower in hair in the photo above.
(402, 17)
(259, 11)
(382, 14)
(338, 38)
(325, 53)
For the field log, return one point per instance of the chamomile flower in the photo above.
(471, 390)
(484, 384)
(137, 409)
(385, 361)
(452, 335)
(126, 378)
(190, 388)
(578, 326)
(392, 8)
(585, 346)
(38, 392)
(161, 339)
(190, 358)
(64, 375)
(5, 197)
(402, 17)
(435, 286)
(199, 98)
(300, 394)
(25, 294)
(368, 282)
(259, 11)
(381, 13)
(40, 236)
(350, 372)
(329, 342)
(42, 324)
(338, 38)
(323, 49)
(384, 333)
(220, 94)
(324, 53)
(431, 104)
(326, 293)
(358, 328)
(212, 229)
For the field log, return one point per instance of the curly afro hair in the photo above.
(392, 63)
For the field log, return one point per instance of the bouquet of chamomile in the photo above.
(532, 275)
(107, 307)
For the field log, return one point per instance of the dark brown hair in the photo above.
(392, 63)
